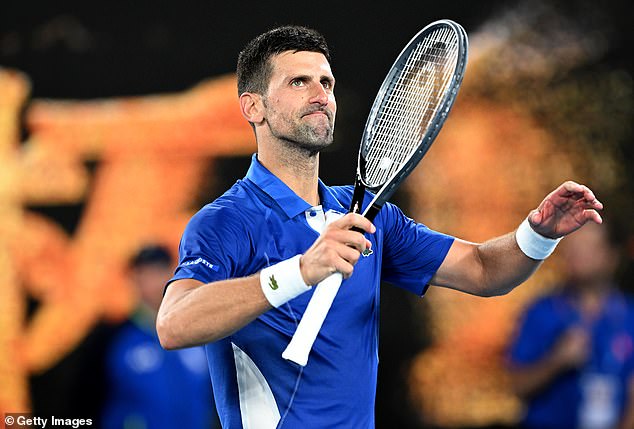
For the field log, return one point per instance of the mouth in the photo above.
(315, 113)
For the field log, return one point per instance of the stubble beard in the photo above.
(298, 135)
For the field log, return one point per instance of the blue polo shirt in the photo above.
(152, 388)
(258, 222)
(595, 394)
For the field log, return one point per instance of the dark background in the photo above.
(86, 49)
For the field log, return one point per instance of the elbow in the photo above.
(167, 336)
(176, 333)
(488, 284)
(502, 287)
(489, 291)
(485, 287)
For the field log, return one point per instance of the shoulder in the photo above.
(546, 302)
(231, 210)
(342, 192)
(546, 309)
(620, 295)
(390, 215)
(396, 220)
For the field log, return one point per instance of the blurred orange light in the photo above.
(152, 153)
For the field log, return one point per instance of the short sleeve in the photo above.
(211, 246)
(412, 253)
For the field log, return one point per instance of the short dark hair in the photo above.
(153, 254)
(254, 66)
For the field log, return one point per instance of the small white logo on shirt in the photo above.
(200, 261)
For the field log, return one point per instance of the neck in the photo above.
(591, 305)
(590, 298)
(296, 167)
(594, 287)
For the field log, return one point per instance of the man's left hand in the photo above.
(565, 210)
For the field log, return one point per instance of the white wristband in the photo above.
(533, 244)
(283, 281)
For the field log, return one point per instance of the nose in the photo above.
(320, 95)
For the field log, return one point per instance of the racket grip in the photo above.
(302, 342)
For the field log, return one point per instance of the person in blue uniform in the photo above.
(249, 260)
(573, 357)
(147, 386)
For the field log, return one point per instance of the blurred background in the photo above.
(118, 120)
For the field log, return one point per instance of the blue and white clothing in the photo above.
(152, 388)
(595, 395)
(259, 222)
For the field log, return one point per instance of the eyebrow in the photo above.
(330, 79)
(305, 77)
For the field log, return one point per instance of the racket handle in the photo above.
(302, 342)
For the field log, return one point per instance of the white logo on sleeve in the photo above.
(201, 261)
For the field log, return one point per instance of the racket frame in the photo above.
(385, 191)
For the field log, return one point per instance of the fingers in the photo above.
(345, 259)
(593, 216)
(354, 220)
(571, 188)
(349, 243)
(337, 249)
(572, 348)
(581, 192)
(565, 210)
(351, 238)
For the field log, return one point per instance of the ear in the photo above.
(251, 107)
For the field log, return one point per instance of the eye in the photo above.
(297, 82)
(327, 83)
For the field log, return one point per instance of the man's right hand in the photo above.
(572, 349)
(337, 249)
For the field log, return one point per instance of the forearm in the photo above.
(488, 269)
(497, 266)
(504, 266)
(193, 313)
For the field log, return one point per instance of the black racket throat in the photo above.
(356, 205)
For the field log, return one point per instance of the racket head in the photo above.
(411, 106)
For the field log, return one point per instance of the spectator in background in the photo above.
(147, 386)
(573, 358)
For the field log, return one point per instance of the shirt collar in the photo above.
(284, 196)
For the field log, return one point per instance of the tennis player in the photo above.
(249, 260)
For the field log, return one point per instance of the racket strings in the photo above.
(414, 96)
(411, 104)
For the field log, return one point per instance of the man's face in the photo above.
(150, 279)
(589, 256)
(300, 104)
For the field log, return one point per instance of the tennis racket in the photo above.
(410, 108)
